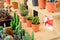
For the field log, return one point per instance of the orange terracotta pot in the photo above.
(51, 6)
(23, 19)
(35, 27)
(15, 5)
(29, 23)
(8, 1)
(2, 4)
(42, 4)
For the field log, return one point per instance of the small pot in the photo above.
(35, 27)
(23, 19)
(42, 4)
(29, 23)
(1, 4)
(8, 1)
(51, 6)
(35, 2)
(15, 5)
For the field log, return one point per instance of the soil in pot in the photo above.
(8, 1)
(35, 2)
(15, 5)
(23, 19)
(29, 23)
(51, 6)
(42, 4)
(35, 27)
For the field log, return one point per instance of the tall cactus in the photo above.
(32, 38)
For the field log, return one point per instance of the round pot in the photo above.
(35, 2)
(35, 27)
(15, 5)
(8, 1)
(29, 23)
(42, 4)
(1, 4)
(23, 19)
(51, 6)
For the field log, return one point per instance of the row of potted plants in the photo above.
(49, 4)
(29, 19)
(15, 31)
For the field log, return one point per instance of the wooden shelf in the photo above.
(43, 11)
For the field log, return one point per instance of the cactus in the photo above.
(15, 21)
(35, 20)
(32, 38)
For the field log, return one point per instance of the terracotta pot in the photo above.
(35, 27)
(42, 4)
(2, 4)
(29, 23)
(51, 6)
(9, 31)
(8, 1)
(15, 5)
(23, 19)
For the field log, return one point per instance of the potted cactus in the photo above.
(42, 4)
(51, 5)
(21, 8)
(8, 38)
(35, 24)
(8, 1)
(25, 13)
(29, 21)
(15, 4)
(35, 2)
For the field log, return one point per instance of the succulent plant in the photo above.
(29, 17)
(15, 21)
(22, 7)
(14, 0)
(25, 13)
(35, 20)
(8, 38)
(2, 31)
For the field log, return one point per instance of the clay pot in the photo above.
(15, 5)
(51, 6)
(35, 27)
(1, 4)
(29, 23)
(9, 31)
(42, 4)
(23, 19)
(8, 1)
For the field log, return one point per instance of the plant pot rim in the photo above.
(35, 24)
(52, 2)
